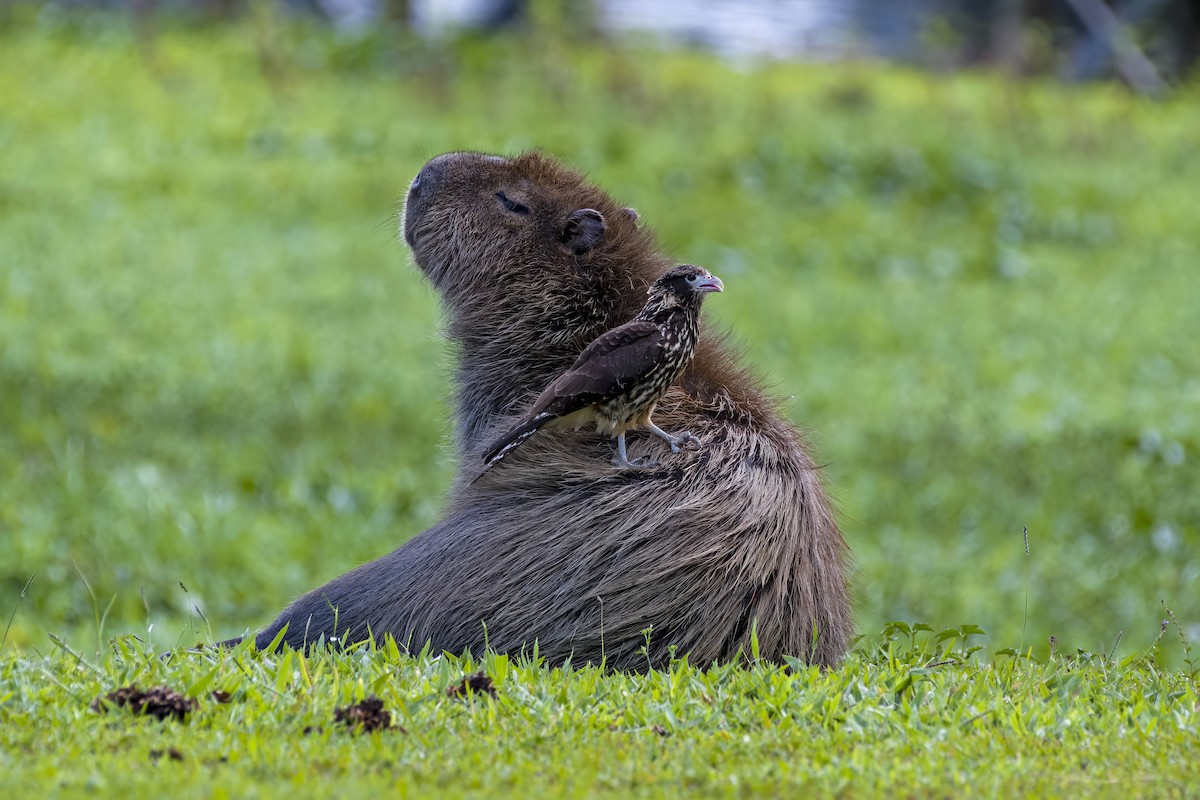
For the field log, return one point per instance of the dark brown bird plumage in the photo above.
(618, 378)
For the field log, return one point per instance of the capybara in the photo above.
(692, 555)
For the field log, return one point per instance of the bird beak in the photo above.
(710, 284)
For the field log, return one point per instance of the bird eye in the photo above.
(691, 278)
(512, 205)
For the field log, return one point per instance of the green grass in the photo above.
(904, 720)
(218, 371)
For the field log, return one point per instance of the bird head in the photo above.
(686, 282)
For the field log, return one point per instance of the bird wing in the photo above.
(608, 366)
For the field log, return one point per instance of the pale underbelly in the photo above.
(611, 419)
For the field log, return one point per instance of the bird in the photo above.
(619, 377)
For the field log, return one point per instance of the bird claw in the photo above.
(682, 439)
(642, 462)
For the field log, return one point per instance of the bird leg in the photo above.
(622, 460)
(675, 441)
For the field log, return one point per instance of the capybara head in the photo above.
(522, 227)
(532, 263)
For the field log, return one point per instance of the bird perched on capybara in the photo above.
(619, 377)
(592, 563)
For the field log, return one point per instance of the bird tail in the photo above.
(514, 438)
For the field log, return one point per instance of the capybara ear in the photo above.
(631, 213)
(583, 231)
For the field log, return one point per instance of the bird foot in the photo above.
(682, 439)
(642, 462)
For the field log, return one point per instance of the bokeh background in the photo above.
(959, 239)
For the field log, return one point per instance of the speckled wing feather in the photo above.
(606, 367)
(612, 363)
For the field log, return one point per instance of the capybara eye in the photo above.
(512, 205)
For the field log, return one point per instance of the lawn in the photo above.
(898, 721)
(222, 383)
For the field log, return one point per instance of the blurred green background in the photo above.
(219, 370)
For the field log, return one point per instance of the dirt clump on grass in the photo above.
(473, 684)
(173, 753)
(160, 702)
(365, 717)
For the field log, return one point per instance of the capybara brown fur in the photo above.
(556, 546)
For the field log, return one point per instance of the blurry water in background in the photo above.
(736, 29)
(1096, 38)
(1139, 40)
